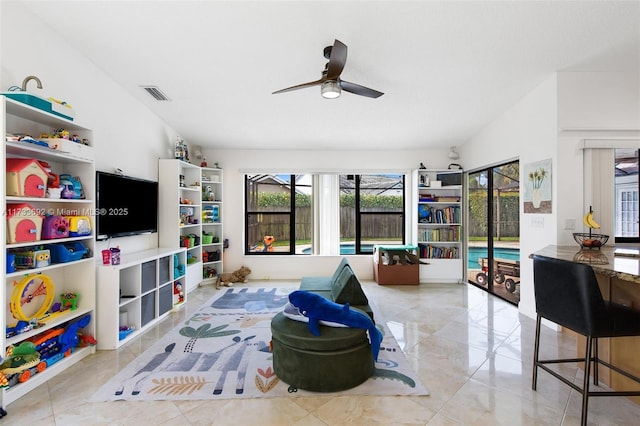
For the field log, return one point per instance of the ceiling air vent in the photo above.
(156, 93)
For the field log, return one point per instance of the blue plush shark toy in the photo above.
(315, 309)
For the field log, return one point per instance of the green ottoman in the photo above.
(340, 358)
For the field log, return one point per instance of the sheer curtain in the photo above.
(599, 179)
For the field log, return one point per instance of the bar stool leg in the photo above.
(585, 384)
(536, 349)
(595, 361)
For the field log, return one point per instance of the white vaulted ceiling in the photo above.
(447, 68)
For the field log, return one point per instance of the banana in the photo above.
(590, 222)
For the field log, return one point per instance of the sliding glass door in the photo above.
(493, 256)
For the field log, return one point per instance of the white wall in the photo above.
(526, 131)
(599, 100)
(126, 134)
(591, 105)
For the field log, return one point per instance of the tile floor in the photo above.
(472, 351)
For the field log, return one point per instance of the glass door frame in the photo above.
(488, 270)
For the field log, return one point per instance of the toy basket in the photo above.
(207, 238)
(589, 240)
(31, 259)
(70, 252)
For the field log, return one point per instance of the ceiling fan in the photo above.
(331, 84)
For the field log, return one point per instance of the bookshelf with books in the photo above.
(438, 228)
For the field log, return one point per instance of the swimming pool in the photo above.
(503, 253)
(347, 248)
(472, 262)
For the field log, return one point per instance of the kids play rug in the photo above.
(222, 352)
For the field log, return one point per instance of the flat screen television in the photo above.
(125, 206)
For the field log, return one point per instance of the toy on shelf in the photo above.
(208, 272)
(181, 150)
(26, 178)
(124, 331)
(212, 256)
(32, 302)
(69, 300)
(42, 351)
(67, 252)
(178, 291)
(22, 361)
(54, 226)
(211, 214)
(34, 257)
(24, 223)
(207, 238)
(79, 226)
(54, 190)
(178, 269)
(186, 216)
(27, 293)
(208, 194)
(72, 187)
(11, 262)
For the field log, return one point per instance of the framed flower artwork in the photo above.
(537, 187)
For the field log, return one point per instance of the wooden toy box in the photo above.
(395, 273)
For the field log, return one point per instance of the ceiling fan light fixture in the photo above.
(330, 89)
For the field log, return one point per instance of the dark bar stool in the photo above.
(567, 294)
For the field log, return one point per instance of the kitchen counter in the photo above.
(615, 262)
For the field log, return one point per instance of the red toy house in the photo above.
(24, 223)
(26, 178)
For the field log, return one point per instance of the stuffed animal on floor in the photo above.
(228, 278)
(317, 309)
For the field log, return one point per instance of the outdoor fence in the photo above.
(380, 226)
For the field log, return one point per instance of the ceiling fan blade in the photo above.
(359, 90)
(301, 86)
(337, 60)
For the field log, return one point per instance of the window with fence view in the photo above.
(371, 211)
(279, 213)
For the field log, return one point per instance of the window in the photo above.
(371, 211)
(278, 214)
(627, 213)
(283, 217)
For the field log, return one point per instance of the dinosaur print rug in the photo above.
(221, 351)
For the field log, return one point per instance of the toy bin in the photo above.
(401, 272)
(30, 259)
(207, 238)
(11, 263)
(68, 252)
(26, 178)
(213, 256)
(24, 223)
